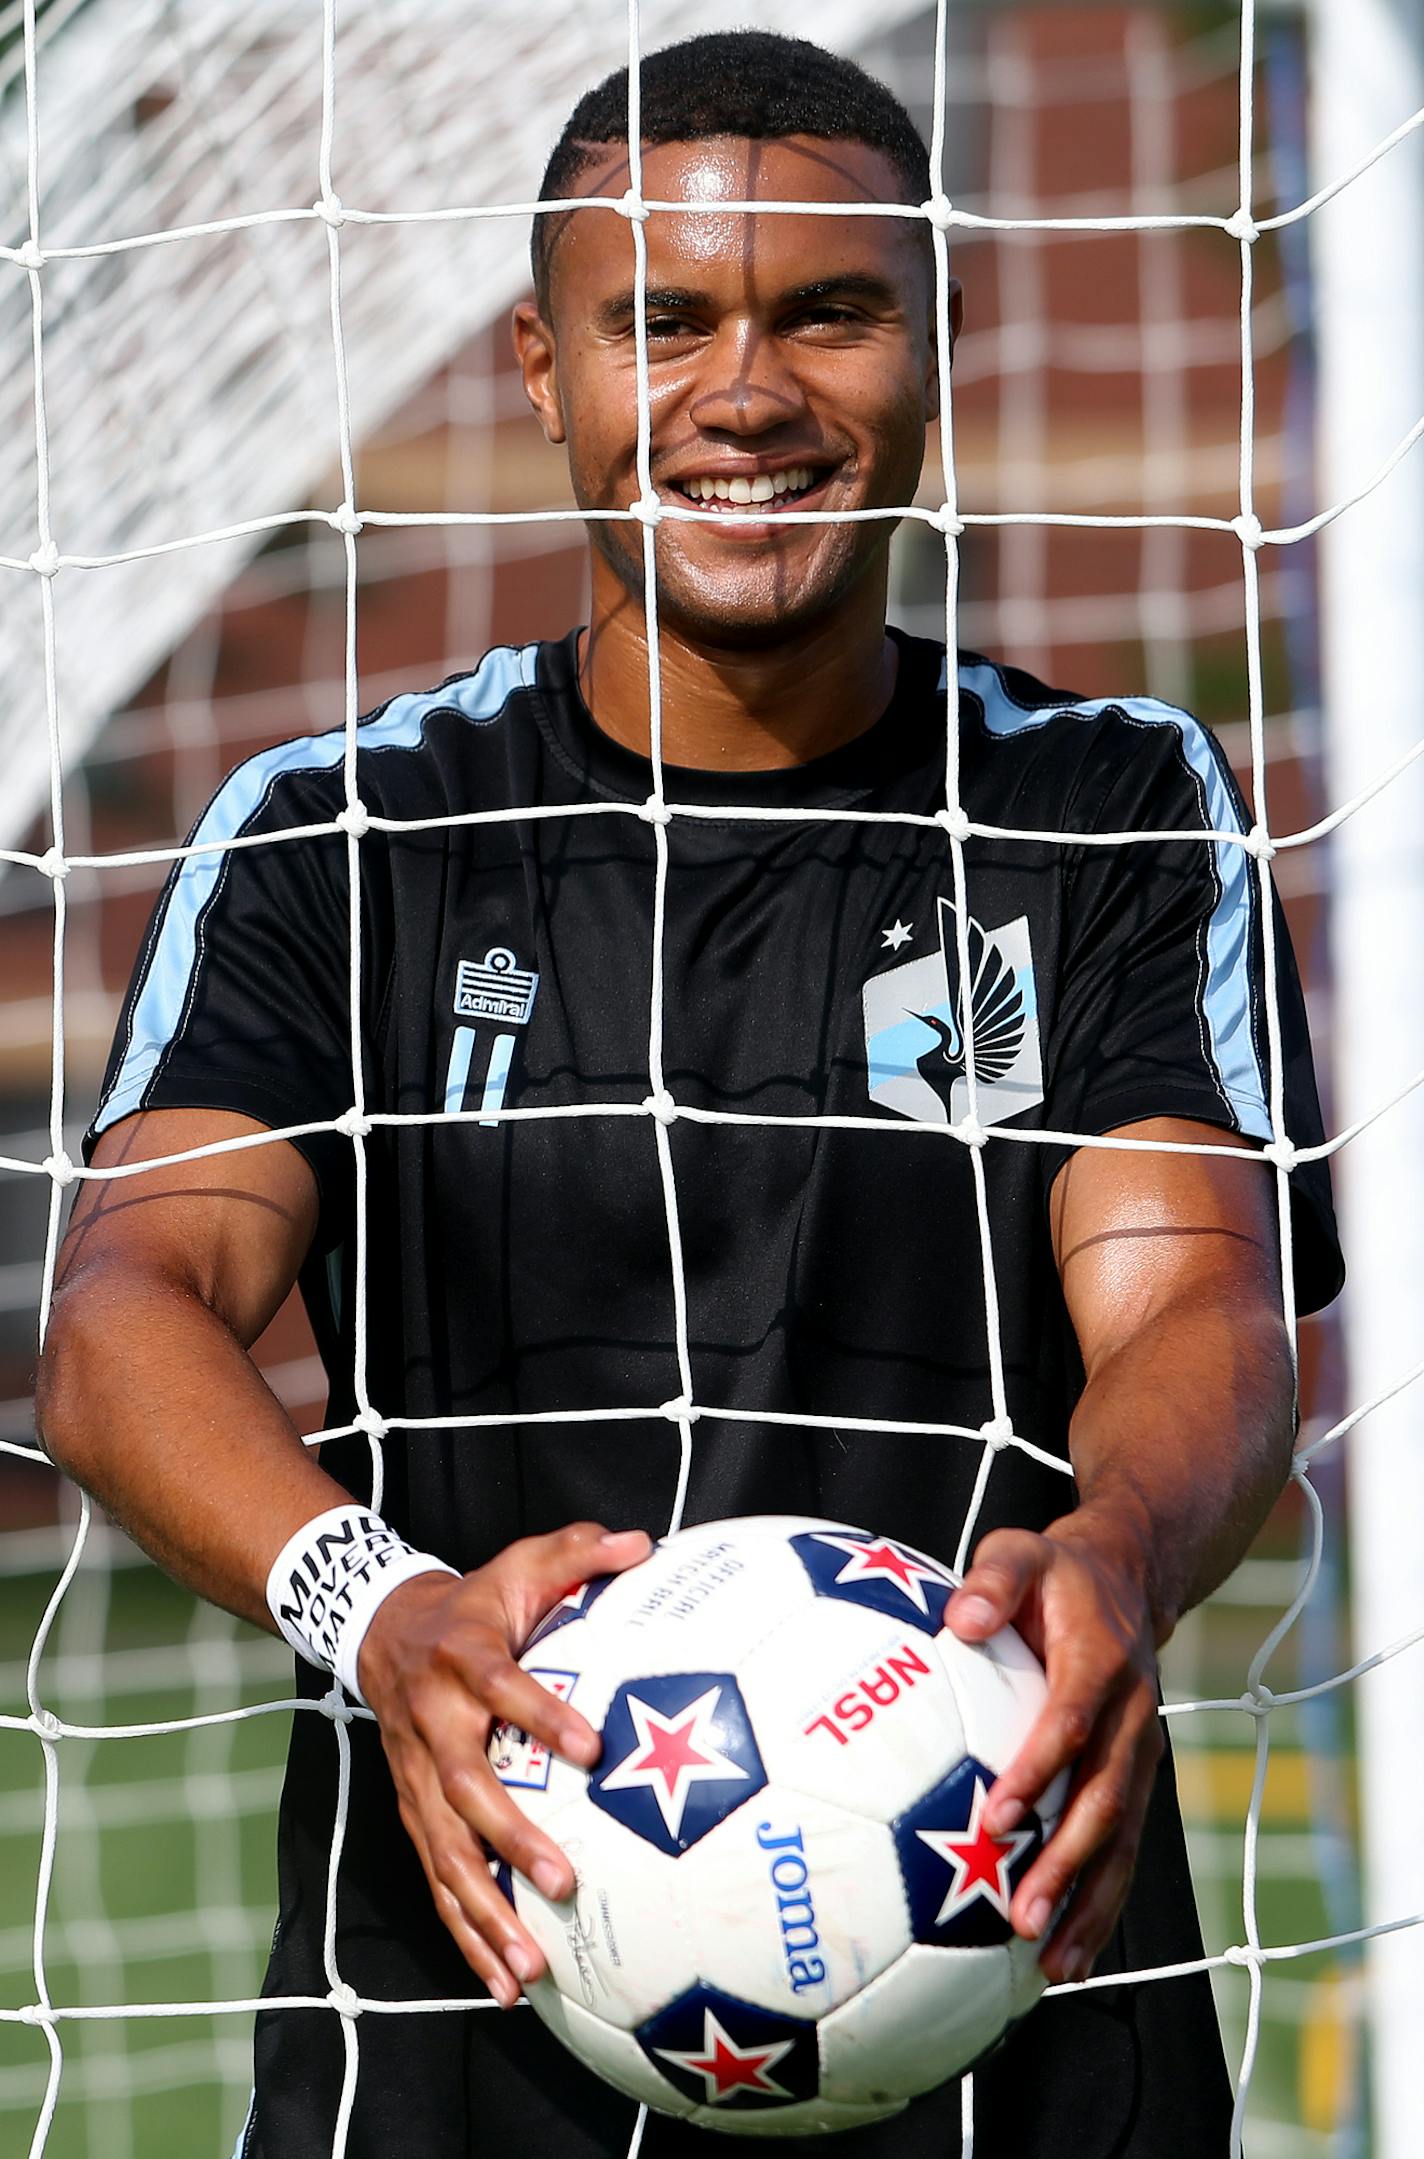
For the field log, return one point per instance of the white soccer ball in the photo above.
(789, 1915)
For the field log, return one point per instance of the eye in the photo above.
(665, 327)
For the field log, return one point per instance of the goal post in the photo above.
(1367, 77)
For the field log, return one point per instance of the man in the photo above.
(520, 1270)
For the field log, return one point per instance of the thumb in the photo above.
(542, 1570)
(1006, 1568)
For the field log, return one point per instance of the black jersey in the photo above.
(520, 1268)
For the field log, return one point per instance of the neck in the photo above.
(726, 710)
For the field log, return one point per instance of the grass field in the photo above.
(163, 1877)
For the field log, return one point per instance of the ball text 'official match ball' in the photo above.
(790, 1916)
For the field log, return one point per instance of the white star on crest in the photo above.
(982, 1863)
(727, 2068)
(899, 935)
(881, 1561)
(671, 1754)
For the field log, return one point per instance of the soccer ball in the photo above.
(789, 1916)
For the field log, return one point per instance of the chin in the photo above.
(753, 606)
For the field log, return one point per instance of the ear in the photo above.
(538, 364)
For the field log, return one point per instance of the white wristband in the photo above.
(328, 1582)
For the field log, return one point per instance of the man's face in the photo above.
(791, 364)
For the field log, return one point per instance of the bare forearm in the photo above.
(148, 1400)
(1181, 1444)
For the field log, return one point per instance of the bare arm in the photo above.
(148, 1398)
(146, 1394)
(1181, 1443)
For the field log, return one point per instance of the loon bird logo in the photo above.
(916, 1057)
(996, 1010)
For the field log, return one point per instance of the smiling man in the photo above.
(519, 1271)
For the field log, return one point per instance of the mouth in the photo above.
(795, 487)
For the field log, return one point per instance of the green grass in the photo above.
(163, 1878)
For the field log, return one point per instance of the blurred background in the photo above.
(190, 387)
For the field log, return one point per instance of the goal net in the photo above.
(264, 461)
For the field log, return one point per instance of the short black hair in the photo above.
(750, 83)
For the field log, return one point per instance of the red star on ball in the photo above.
(982, 1864)
(672, 1754)
(728, 2068)
(881, 1561)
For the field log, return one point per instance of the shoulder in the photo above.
(1131, 756)
(402, 752)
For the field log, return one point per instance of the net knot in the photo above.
(344, 1999)
(30, 256)
(1242, 226)
(345, 518)
(948, 520)
(60, 1168)
(1284, 1153)
(662, 1106)
(371, 1422)
(45, 560)
(680, 1409)
(647, 509)
(331, 210)
(940, 212)
(1239, 1953)
(970, 1131)
(955, 821)
(997, 1432)
(355, 819)
(52, 864)
(631, 207)
(655, 812)
(1258, 1700)
(44, 1723)
(353, 1124)
(32, 2013)
(335, 1705)
(1260, 845)
(1249, 530)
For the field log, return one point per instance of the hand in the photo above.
(438, 1668)
(1077, 1595)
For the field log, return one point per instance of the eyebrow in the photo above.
(680, 299)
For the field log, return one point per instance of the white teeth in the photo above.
(766, 486)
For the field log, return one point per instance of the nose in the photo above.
(746, 387)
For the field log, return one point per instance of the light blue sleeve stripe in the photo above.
(1226, 994)
(168, 980)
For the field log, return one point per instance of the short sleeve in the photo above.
(1161, 1004)
(239, 998)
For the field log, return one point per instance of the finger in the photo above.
(469, 1787)
(1107, 1800)
(1097, 1897)
(516, 1697)
(1092, 1910)
(537, 1571)
(499, 1950)
(1007, 1565)
(1078, 1687)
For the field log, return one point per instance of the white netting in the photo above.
(121, 512)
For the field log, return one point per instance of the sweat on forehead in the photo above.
(735, 171)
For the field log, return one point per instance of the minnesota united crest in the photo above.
(916, 1058)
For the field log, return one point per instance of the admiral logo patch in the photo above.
(495, 988)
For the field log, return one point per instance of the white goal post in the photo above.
(1368, 71)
